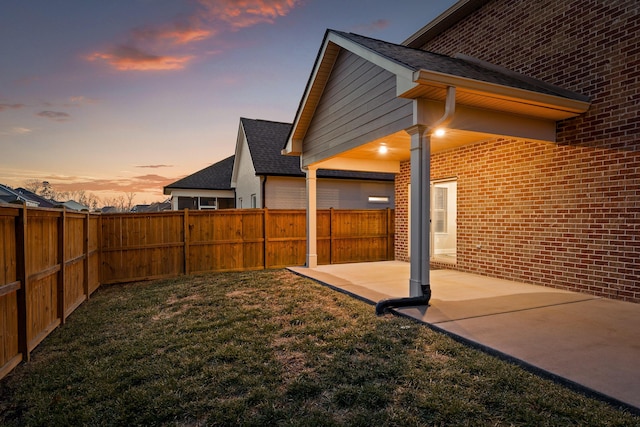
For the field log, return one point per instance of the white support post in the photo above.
(312, 251)
(420, 210)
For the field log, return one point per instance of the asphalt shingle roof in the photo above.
(214, 177)
(43, 203)
(417, 59)
(266, 139)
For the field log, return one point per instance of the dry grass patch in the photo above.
(270, 348)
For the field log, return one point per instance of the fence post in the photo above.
(62, 261)
(187, 267)
(85, 262)
(21, 276)
(388, 240)
(265, 236)
(99, 245)
(331, 231)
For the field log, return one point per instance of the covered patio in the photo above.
(579, 339)
(372, 106)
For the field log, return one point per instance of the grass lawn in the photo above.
(270, 348)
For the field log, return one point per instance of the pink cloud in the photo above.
(210, 19)
(245, 13)
(129, 58)
(178, 32)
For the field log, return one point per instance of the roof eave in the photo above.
(568, 105)
(293, 145)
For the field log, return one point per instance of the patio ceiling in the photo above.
(398, 145)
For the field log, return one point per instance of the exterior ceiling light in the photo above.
(439, 132)
(383, 149)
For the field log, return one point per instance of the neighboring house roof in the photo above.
(153, 207)
(74, 206)
(159, 207)
(9, 195)
(266, 139)
(214, 177)
(43, 202)
(139, 208)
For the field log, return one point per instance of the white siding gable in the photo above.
(247, 183)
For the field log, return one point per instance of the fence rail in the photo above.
(52, 260)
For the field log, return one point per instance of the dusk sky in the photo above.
(121, 96)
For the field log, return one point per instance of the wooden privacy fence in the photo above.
(169, 244)
(51, 260)
(49, 265)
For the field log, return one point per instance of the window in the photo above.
(439, 211)
(187, 203)
(444, 195)
(240, 202)
(254, 201)
(208, 203)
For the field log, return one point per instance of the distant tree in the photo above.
(119, 203)
(122, 203)
(130, 196)
(46, 190)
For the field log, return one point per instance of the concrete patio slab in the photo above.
(591, 342)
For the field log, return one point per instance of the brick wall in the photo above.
(565, 215)
(402, 213)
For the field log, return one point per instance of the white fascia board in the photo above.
(294, 146)
(394, 67)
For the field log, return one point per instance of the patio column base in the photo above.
(312, 260)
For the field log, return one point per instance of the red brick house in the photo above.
(537, 178)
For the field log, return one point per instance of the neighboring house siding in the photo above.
(290, 193)
(565, 215)
(285, 193)
(248, 183)
(358, 105)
